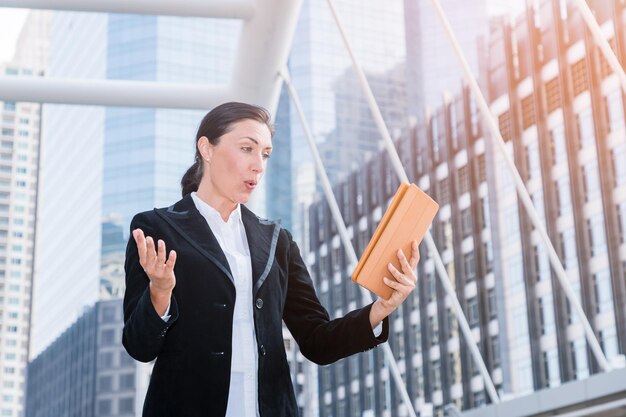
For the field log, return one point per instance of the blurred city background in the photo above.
(73, 172)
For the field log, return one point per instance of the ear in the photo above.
(205, 148)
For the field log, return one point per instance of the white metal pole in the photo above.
(601, 41)
(343, 232)
(523, 193)
(126, 93)
(397, 164)
(231, 9)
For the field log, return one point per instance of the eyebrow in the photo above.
(255, 141)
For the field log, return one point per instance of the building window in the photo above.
(615, 111)
(484, 211)
(579, 358)
(107, 337)
(127, 381)
(572, 317)
(546, 315)
(466, 222)
(621, 213)
(473, 316)
(432, 287)
(591, 181)
(553, 94)
(579, 76)
(586, 134)
(506, 127)
(434, 330)
(619, 167)
(532, 159)
(537, 199)
(463, 177)
(470, 267)
(105, 384)
(511, 224)
(109, 314)
(479, 398)
(528, 111)
(488, 255)
(563, 196)
(523, 371)
(104, 407)
(482, 168)
(603, 292)
(126, 405)
(491, 302)
(436, 375)
(106, 360)
(519, 326)
(595, 226)
(444, 191)
(608, 338)
(551, 367)
(568, 249)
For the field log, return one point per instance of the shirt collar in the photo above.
(211, 213)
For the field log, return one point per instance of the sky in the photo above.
(11, 22)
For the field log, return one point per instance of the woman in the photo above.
(210, 312)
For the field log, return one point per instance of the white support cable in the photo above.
(601, 41)
(343, 232)
(231, 9)
(430, 243)
(523, 193)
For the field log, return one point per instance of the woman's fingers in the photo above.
(399, 276)
(406, 267)
(415, 255)
(393, 284)
(160, 253)
(171, 261)
(140, 240)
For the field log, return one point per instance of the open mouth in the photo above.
(250, 184)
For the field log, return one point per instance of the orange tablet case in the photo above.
(407, 218)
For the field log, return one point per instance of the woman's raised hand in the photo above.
(402, 282)
(159, 269)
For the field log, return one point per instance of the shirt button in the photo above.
(259, 303)
(262, 349)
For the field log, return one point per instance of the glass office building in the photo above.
(561, 113)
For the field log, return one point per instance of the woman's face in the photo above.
(237, 163)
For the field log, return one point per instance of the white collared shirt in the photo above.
(231, 235)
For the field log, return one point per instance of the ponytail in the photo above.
(191, 180)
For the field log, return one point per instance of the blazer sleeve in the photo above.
(144, 330)
(320, 339)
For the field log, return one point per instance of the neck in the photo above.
(220, 203)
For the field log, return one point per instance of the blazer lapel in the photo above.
(185, 218)
(262, 239)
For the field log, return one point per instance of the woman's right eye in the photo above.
(246, 149)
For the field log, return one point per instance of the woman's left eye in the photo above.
(266, 156)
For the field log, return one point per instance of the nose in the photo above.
(258, 164)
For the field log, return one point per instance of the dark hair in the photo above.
(216, 123)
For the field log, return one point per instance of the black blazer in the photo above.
(191, 376)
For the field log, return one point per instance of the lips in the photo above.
(250, 184)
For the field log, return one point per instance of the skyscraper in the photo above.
(319, 65)
(102, 165)
(561, 112)
(432, 67)
(20, 125)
